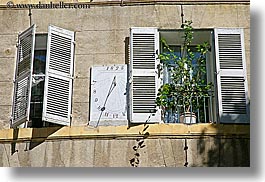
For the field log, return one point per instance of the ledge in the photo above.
(123, 132)
(126, 2)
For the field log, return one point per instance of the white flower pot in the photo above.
(188, 118)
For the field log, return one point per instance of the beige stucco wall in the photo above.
(100, 39)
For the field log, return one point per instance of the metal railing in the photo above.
(195, 109)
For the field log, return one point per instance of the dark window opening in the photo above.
(38, 82)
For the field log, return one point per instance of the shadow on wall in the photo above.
(223, 151)
(39, 135)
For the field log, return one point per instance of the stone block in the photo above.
(87, 19)
(151, 155)
(80, 112)
(142, 16)
(178, 152)
(224, 13)
(120, 43)
(82, 153)
(168, 17)
(64, 18)
(6, 93)
(118, 153)
(37, 150)
(92, 42)
(83, 65)
(203, 152)
(8, 45)
(167, 152)
(5, 115)
(7, 66)
(234, 153)
(102, 153)
(243, 16)
(123, 18)
(57, 153)
(98, 18)
(108, 59)
(16, 155)
(81, 90)
(13, 22)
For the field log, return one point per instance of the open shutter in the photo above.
(144, 43)
(23, 76)
(231, 76)
(59, 76)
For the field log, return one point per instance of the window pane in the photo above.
(36, 103)
(198, 66)
(174, 55)
(39, 62)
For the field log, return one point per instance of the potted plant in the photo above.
(180, 98)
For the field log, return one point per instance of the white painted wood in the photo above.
(57, 101)
(23, 77)
(231, 76)
(144, 81)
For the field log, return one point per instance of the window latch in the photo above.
(218, 72)
(130, 80)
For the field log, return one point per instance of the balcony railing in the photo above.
(196, 109)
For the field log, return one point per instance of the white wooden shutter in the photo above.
(144, 43)
(23, 76)
(59, 76)
(231, 76)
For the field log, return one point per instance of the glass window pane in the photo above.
(39, 62)
(174, 55)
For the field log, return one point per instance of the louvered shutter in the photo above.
(59, 76)
(144, 75)
(231, 76)
(23, 77)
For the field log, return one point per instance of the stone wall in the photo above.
(101, 34)
(164, 152)
(154, 145)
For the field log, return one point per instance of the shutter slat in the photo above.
(59, 71)
(144, 47)
(23, 77)
(143, 51)
(233, 95)
(141, 102)
(231, 80)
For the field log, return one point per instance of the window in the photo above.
(43, 78)
(172, 45)
(38, 79)
(225, 67)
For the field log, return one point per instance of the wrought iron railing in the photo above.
(189, 110)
